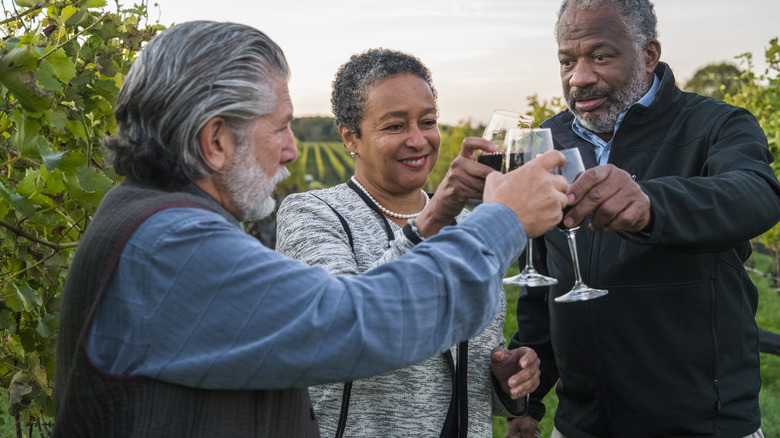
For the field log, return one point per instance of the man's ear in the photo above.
(349, 139)
(652, 55)
(217, 143)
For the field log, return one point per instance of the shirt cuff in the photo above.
(491, 220)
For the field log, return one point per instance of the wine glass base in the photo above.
(580, 294)
(531, 280)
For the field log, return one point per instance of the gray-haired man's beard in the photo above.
(621, 100)
(249, 187)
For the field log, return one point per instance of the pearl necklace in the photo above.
(388, 212)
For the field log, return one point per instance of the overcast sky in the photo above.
(483, 54)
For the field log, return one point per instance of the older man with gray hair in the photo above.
(176, 323)
(677, 186)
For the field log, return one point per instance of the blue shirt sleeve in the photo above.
(197, 302)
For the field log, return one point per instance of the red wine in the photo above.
(493, 160)
(496, 161)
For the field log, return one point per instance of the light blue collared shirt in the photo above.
(197, 302)
(602, 147)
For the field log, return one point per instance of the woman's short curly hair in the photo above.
(355, 78)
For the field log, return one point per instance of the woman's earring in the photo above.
(352, 154)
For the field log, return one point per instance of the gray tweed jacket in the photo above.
(409, 402)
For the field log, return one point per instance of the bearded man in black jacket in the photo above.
(677, 184)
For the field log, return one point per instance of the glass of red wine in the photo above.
(580, 291)
(520, 146)
(500, 122)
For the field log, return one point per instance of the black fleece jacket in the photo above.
(672, 350)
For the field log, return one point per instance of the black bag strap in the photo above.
(463, 394)
(347, 385)
(342, 220)
(344, 409)
(457, 420)
(373, 206)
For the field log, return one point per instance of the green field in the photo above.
(768, 317)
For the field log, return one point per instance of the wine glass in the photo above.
(500, 122)
(520, 146)
(580, 291)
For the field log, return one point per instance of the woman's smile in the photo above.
(415, 162)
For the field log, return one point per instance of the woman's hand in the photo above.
(517, 370)
(464, 180)
(523, 427)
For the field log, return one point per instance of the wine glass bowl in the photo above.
(580, 291)
(520, 146)
(501, 121)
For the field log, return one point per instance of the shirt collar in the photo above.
(197, 191)
(597, 141)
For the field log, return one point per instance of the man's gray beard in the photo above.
(621, 99)
(249, 187)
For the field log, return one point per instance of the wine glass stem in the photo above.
(571, 237)
(529, 264)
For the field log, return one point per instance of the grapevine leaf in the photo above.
(27, 136)
(72, 15)
(33, 186)
(25, 3)
(108, 67)
(7, 321)
(107, 89)
(45, 77)
(16, 74)
(12, 344)
(77, 129)
(28, 185)
(95, 3)
(54, 185)
(22, 298)
(72, 161)
(63, 67)
(78, 17)
(47, 325)
(20, 203)
(18, 392)
(92, 181)
(12, 42)
(58, 118)
(5, 207)
(50, 159)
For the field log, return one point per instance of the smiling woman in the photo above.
(397, 145)
(385, 107)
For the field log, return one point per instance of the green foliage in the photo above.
(316, 129)
(61, 67)
(761, 95)
(716, 80)
(451, 139)
(542, 110)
